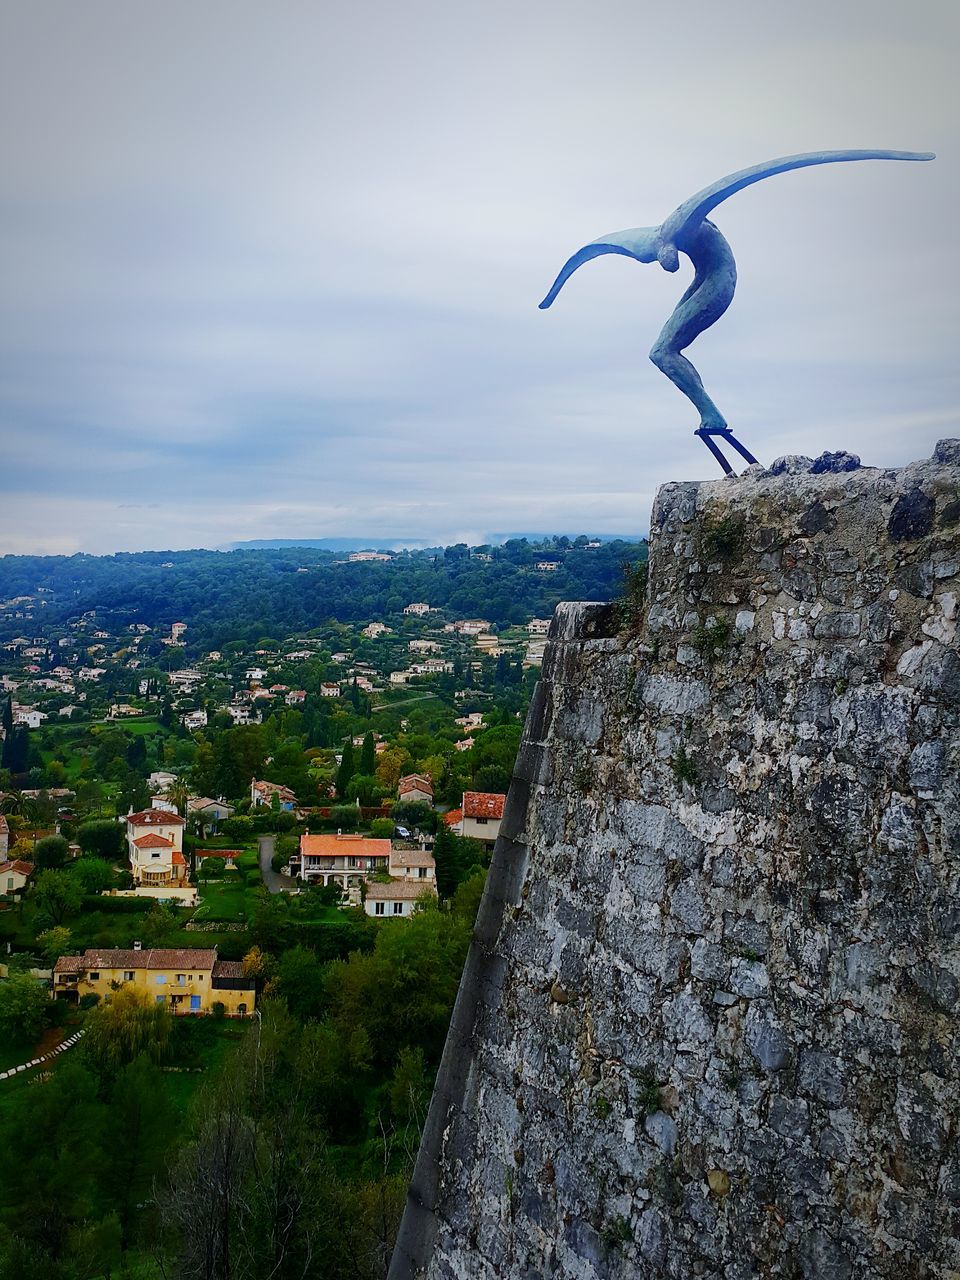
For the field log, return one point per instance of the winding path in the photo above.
(45, 1057)
(274, 881)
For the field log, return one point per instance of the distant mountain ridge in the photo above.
(404, 544)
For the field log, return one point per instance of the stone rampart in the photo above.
(708, 1026)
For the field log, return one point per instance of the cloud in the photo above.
(274, 271)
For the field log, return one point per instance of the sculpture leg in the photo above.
(700, 307)
(683, 375)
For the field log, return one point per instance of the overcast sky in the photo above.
(272, 270)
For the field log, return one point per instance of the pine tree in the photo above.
(346, 769)
(368, 756)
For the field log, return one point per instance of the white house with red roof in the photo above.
(14, 875)
(155, 847)
(482, 814)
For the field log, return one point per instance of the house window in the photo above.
(181, 979)
(160, 999)
(154, 855)
(128, 975)
(398, 908)
(378, 908)
(421, 873)
(93, 977)
(160, 979)
(482, 822)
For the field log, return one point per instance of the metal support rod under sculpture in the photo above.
(688, 230)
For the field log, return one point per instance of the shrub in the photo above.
(708, 639)
(102, 839)
(723, 539)
(118, 906)
(382, 828)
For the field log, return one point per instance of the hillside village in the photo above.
(203, 838)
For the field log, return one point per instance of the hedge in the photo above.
(118, 906)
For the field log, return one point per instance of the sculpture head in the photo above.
(642, 243)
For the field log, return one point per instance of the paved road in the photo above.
(274, 881)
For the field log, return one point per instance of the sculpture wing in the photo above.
(692, 212)
(639, 243)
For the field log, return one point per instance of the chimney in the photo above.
(138, 946)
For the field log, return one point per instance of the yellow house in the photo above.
(185, 979)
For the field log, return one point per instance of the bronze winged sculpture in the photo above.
(688, 230)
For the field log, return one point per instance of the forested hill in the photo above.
(244, 595)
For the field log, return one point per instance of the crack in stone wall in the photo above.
(708, 1024)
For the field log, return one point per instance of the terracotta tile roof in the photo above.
(217, 853)
(415, 782)
(453, 817)
(19, 866)
(230, 969)
(178, 958)
(69, 964)
(154, 818)
(411, 858)
(404, 890)
(178, 859)
(482, 804)
(344, 845)
(152, 841)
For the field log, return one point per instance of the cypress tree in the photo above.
(368, 755)
(346, 769)
(7, 734)
(445, 855)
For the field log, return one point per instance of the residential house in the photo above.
(155, 847)
(14, 876)
(535, 651)
(472, 720)
(176, 630)
(361, 557)
(424, 646)
(400, 677)
(241, 714)
(482, 814)
(413, 864)
(375, 629)
(328, 690)
(296, 698)
(30, 716)
(194, 720)
(418, 609)
(547, 566)
(262, 793)
(396, 898)
(256, 675)
(415, 788)
(464, 744)
(185, 979)
(160, 780)
(343, 859)
(209, 811)
(538, 626)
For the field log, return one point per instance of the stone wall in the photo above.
(708, 1025)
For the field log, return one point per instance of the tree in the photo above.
(54, 943)
(130, 1025)
(159, 924)
(23, 1009)
(103, 838)
(368, 754)
(445, 856)
(137, 1135)
(346, 769)
(93, 874)
(51, 852)
(6, 756)
(57, 895)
